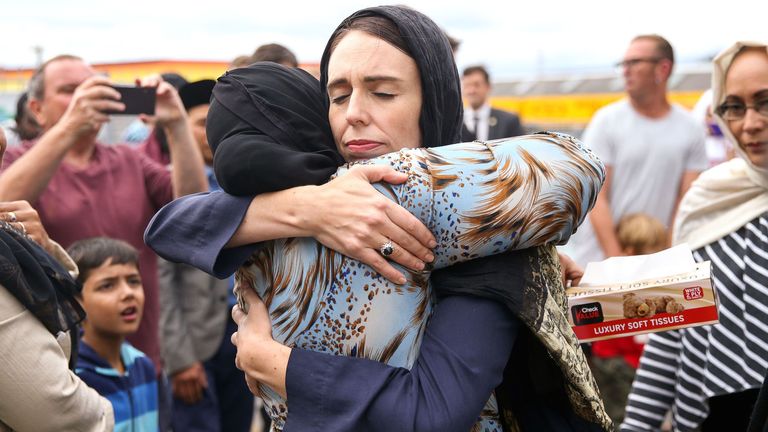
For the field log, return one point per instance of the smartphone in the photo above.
(137, 100)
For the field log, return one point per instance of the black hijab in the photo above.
(40, 284)
(268, 129)
(441, 109)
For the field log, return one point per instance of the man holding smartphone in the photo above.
(82, 188)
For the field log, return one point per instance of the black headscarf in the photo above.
(268, 129)
(39, 283)
(441, 109)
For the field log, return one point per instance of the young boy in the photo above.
(113, 299)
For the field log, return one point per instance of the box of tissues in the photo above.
(625, 296)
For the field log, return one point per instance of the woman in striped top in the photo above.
(709, 376)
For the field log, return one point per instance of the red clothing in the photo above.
(114, 196)
(624, 346)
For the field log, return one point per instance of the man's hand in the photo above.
(189, 384)
(24, 218)
(351, 217)
(86, 112)
(169, 109)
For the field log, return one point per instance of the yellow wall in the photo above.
(573, 109)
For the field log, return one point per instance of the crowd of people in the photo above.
(324, 246)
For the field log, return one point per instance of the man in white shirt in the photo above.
(482, 122)
(652, 150)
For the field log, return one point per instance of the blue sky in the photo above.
(512, 38)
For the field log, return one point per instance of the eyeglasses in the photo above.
(736, 111)
(628, 63)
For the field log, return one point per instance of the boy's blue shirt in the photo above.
(134, 394)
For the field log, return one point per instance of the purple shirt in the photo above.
(114, 196)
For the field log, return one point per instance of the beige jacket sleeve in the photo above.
(38, 392)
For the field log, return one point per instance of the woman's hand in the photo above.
(350, 216)
(258, 355)
(23, 217)
(570, 272)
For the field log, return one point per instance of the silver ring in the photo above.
(23, 228)
(387, 249)
(12, 216)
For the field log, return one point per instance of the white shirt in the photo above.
(483, 115)
(648, 157)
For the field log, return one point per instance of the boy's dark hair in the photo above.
(93, 252)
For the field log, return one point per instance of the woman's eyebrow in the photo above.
(337, 83)
(376, 78)
(760, 94)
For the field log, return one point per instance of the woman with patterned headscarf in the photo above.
(709, 376)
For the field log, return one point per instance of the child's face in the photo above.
(113, 299)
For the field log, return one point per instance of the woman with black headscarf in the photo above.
(533, 307)
(38, 336)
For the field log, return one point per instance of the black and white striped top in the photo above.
(681, 369)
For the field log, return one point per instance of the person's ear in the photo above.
(663, 70)
(36, 109)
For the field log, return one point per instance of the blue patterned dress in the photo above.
(478, 199)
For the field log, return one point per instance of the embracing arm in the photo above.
(217, 232)
(462, 358)
(482, 199)
(194, 229)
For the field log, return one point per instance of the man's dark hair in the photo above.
(477, 69)
(26, 125)
(275, 53)
(36, 86)
(174, 79)
(455, 43)
(663, 47)
(21, 107)
(93, 252)
(241, 61)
